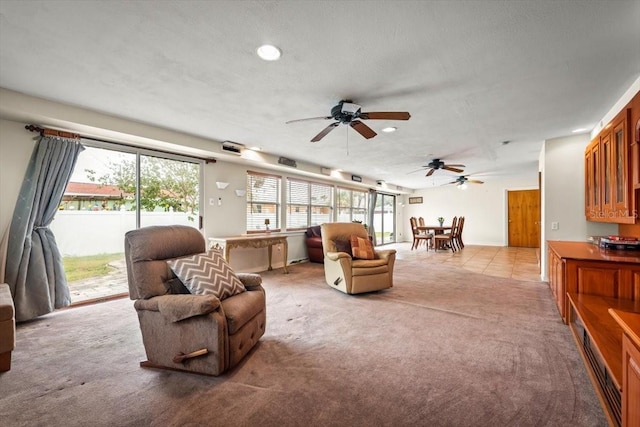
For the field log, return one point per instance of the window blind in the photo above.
(308, 203)
(263, 201)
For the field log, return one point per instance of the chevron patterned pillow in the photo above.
(207, 274)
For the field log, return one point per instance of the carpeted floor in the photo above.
(443, 347)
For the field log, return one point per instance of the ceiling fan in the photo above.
(462, 181)
(436, 164)
(348, 113)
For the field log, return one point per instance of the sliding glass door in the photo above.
(384, 218)
(111, 192)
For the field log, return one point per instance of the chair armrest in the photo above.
(386, 254)
(179, 307)
(251, 281)
(335, 256)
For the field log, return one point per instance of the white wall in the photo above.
(563, 183)
(16, 146)
(484, 207)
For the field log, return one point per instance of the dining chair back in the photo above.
(418, 236)
(460, 227)
(448, 240)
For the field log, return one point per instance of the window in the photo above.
(308, 203)
(115, 189)
(352, 205)
(263, 201)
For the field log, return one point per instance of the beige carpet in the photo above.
(443, 347)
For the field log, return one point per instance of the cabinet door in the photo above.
(635, 156)
(620, 188)
(556, 281)
(588, 182)
(607, 173)
(630, 383)
(595, 180)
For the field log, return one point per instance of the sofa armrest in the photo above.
(386, 254)
(336, 256)
(251, 281)
(179, 307)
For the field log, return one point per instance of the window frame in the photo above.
(274, 224)
(351, 207)
(309, 205)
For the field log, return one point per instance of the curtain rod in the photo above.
(62, 134)
(52, 132)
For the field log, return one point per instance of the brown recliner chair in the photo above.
(349, 275)
(214, 335)
(313, 241)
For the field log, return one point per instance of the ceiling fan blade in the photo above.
(390, 115)
(475, 181)
(449, 168)
(324, 132)
(362, 129)
(456, 166)
(310, 118)
(417, 170)
(431, 171)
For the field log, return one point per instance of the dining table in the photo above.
(437, 229)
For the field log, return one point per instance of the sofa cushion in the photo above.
(242, 308)
(362, 248)
(207, 274)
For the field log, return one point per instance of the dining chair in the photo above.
(447, 240)
(459, 241)
(419, 237)
(421, 222)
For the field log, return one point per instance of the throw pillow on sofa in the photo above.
(362, 248)
(207, 274)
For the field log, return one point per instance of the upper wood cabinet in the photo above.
(611, 163)
(635, 153)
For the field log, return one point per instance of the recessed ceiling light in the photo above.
(269, 52)
(579, 130)
(390, 129)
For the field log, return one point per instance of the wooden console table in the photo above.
(253, 241)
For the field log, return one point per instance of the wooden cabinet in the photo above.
(582, 268)
(593, 207)
(635, 154)
(556, 281)
(608, 170)
(630, 382)
(628, 320)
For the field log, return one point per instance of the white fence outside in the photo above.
(81, 233)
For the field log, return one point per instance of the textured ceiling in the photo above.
(471, 73)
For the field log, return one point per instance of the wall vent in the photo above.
(232, 147)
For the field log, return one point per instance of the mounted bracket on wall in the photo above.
(241, 193)
(221, 185)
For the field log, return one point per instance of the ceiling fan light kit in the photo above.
(348, 113)
(462, 181)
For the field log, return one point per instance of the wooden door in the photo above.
(524, 218)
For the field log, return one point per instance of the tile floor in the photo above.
(501, 261)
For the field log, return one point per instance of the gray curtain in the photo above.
(34, 268)
(372, 208)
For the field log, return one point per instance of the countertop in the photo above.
(590, 252)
